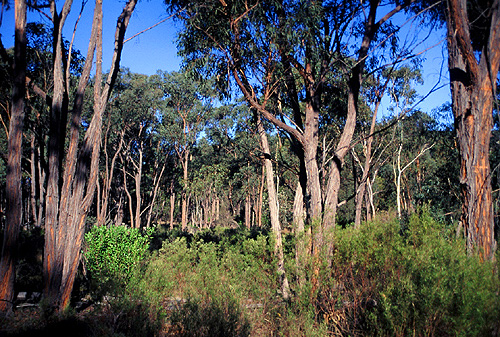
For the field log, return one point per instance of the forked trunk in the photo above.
(68, 204)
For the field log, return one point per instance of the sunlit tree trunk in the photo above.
(261, 197)
(172, 205)
(127, 192)
(137, 180)
(273, 209)
(184, 207)
(248, 209)
(14, 148)
(473, 86)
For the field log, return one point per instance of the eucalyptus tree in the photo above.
(72, 171)
(285, 57)
(13, 186)
(186, 110)
(473, 61)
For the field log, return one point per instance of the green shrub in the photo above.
(113, 256)
(412, 279)
(220, 277)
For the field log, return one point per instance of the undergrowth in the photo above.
(388, 278)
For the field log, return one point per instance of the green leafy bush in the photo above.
(113, 256)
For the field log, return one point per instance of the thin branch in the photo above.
(422, 151)
(153, 26)
(68, 65)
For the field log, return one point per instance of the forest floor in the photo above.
(30, 322)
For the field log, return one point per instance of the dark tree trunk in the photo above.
(13, 186)
(473, 86)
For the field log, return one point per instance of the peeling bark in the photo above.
(473, 85)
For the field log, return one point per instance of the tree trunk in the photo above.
(34, 183)
(261, 197)
(298, 227)
(248, 210)
(156, 184)
(138, 196)
(53, 250)
(127, 193)
(310, 153)
(172, 206)
(473, 85)
(217, 209)
(13, 178)
(184, 209)
(273, 209)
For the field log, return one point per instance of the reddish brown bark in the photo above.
(13, 178)
(473, 85)
(68, 204)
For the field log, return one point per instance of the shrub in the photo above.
(411, 279)
(113, 256)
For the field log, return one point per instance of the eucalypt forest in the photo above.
(306, 168)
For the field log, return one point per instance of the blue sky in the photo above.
(156, 49)
(146, 53)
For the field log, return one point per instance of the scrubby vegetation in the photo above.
(390, 278)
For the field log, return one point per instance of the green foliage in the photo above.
(389, 278)
(113, 256)
(221, 273)
(415, 279)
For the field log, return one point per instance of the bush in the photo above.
(113, 256)
(411, 279)
(219, 279)
(386, 279)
